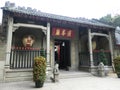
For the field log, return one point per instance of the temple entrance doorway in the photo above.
(62, 54)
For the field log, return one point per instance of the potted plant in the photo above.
(39, 71)
(117, 65)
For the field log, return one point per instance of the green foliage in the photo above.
(102, 57)
(107, 19)
(117, 64)
(42, 52)
(39, 69)
(115, 21)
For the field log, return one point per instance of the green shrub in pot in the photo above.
(39, 70)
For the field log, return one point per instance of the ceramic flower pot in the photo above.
(39, 71)
(39, 84)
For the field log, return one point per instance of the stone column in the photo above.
(48, 43)
(48, 69)
(9, 42)
(90, 48)
(111, 48)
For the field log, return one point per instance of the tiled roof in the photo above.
(29, 11)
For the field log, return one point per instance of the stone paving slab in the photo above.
(110, 82)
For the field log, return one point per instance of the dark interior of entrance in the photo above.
(62, 54)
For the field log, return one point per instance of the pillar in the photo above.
(90, 48)
(9, 42)
(111, 48)
(48, 43)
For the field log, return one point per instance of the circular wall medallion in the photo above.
(93, 45)
(28, 40)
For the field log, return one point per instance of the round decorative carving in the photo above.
(28, 40)
(93, 45)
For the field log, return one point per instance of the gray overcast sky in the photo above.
(73, 8)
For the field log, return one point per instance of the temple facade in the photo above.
(73, 43)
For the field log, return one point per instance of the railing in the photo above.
(22, 57)
(84, 58)
(96, 57)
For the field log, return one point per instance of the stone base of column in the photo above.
(49, 73)
(93, 70)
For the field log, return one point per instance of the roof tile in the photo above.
(11, 7)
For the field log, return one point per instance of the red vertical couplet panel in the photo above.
(62, 32)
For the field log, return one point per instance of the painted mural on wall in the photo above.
(117, 35)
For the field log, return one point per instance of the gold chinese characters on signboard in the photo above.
(61, 32)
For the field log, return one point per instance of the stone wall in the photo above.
(74, 51)
(116, 48)
(2, 51)
(2, 58)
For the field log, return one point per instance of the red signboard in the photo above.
(61, 32)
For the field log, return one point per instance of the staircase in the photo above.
(17, 75)
(23, 75)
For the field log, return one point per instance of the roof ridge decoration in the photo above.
(10, 5)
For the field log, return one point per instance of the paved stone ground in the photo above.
(110, 82)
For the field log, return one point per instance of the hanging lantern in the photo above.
(28, 40)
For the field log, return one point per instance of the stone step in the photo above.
(24, 75)
(73, 74)
(18, 75)
(21, 75)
